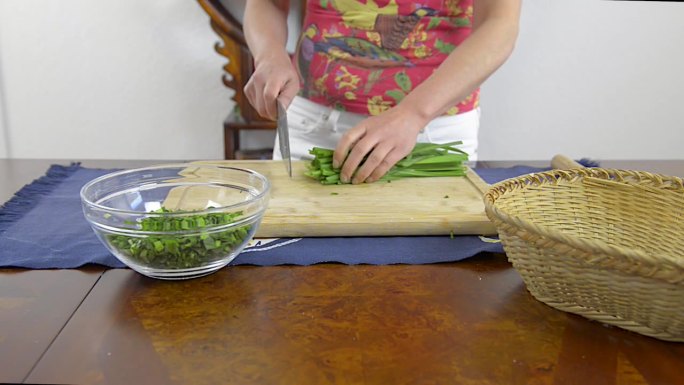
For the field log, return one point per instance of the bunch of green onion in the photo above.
(425, 160)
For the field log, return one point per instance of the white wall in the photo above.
(139, 79)
(594, 78)
(111, 79)
(4, 145)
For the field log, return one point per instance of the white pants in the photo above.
(313, 125)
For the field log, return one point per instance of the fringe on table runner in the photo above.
(25, 199)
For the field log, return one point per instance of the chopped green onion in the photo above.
(176, 251)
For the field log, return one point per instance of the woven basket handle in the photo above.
(562, 162)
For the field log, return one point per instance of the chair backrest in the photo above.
(240, 64)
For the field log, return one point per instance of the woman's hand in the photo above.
(385, 138)
(274, 77)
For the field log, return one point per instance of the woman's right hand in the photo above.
(274, 78)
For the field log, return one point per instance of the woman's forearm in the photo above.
(265, 27)
(470, 64)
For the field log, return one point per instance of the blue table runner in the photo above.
(43, 227)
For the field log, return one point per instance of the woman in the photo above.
(371, 77)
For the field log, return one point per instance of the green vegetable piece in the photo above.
(178, 248)
(209, 243)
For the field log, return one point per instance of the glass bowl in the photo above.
(176, 221)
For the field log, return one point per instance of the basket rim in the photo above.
(633, 260)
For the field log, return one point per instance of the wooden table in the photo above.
(470, 322)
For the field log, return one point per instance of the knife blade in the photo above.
(284, 137)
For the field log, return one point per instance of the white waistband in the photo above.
(315, 111)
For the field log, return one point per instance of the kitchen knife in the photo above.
(284, 137)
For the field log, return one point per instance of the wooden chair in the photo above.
(239, 68)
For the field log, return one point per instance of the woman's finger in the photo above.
(345, 144)
(358, 152)
(250, 92)
(387, 163)
(254, 93)
(376, 159)
(270, 94)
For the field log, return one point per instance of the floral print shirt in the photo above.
(364, 56)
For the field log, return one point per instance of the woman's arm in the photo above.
(495, 29)
(265, 26)
(390, 136)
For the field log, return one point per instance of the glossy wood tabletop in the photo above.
(470, 322)
(34, 306)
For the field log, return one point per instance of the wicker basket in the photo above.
(604, 244)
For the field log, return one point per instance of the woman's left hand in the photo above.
(385, 138)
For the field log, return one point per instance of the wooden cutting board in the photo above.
(302, 207)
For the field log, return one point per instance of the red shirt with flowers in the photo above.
(364, 56)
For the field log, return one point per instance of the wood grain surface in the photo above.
(34, 306)
(302, 207)
(470, 322)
